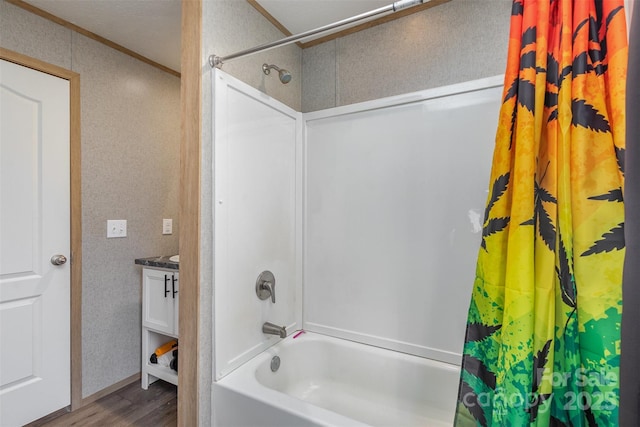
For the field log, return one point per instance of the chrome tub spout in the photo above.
(271, 329)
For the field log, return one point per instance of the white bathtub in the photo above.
(332, 382)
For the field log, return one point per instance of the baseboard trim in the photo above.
(112, 388)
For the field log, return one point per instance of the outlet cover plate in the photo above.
(167, 226)
(116, 228)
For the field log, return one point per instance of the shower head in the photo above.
(284, 75)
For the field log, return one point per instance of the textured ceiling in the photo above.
(151, 28)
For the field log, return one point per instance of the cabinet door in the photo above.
(176, 295)
(158, 300)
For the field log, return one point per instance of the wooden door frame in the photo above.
(190, 189)
(75, 211)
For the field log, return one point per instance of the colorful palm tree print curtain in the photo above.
(543, 335)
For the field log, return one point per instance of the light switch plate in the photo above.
(116, 228)
(167, 226)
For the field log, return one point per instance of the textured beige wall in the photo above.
(451, 43)
(31, 35)
(130, 170)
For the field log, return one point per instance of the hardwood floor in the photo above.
(129, 406)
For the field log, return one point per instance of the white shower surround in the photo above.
(371, 274)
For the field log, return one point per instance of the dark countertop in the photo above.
(158, 261)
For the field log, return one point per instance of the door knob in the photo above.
(58, 259)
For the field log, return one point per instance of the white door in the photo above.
(34, 227)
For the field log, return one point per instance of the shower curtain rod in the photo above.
(217, 61)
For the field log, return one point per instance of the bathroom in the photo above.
(398, 57)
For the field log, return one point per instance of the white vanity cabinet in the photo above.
(159, 320)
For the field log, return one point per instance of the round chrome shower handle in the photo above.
(58, 259)
(266, 286)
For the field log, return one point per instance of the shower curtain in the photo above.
(542, 345)
(630, 347)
